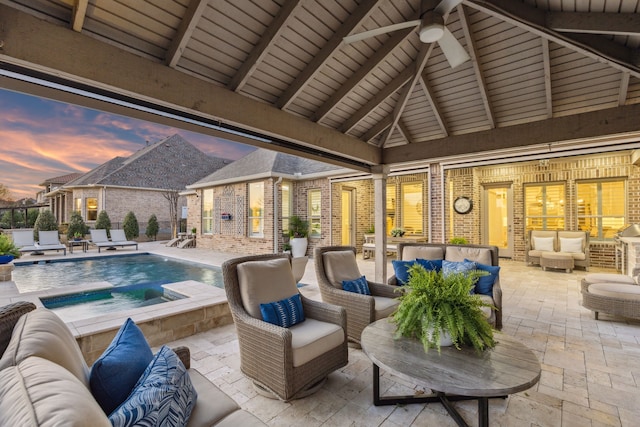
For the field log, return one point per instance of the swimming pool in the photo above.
(120, 270)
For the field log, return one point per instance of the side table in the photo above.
(83, 243)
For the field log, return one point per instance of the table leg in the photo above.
(483, 412)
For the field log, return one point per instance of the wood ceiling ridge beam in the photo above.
(418, 66)
(185, 31)
(623, 24)
(473, 53)
(624, 89)
(372, 63)
(534, 20)
(78, 14)
(388, 90)
(362, 12)
(546, 64)
(262, 47)
(428, 92)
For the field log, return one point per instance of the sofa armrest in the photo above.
(9, 315)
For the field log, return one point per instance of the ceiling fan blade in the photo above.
(452, 49)
(379, 31)
(446, 6)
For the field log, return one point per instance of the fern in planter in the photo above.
(7, 247)
(432, 304)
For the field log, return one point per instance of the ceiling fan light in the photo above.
(431, 33)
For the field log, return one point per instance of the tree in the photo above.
(130, 226)
(46, 222)
(5, 193)
(152, 227)
(76, 226)
(103, 221)
(173, 196)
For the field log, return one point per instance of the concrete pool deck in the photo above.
(590, 369)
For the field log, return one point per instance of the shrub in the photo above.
(152, 227)
(103, 221)
(77, 227)
(45, 222)
(7, 247)
(130, 226)
(458, 241)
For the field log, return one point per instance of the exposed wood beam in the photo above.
(79, 12)
(585, 126)
(407, 90)
(623, 24)
(405, 132)
(534, 20)
(428, 92)
(395, 84)
(371, 64)
(44, 47)
(473, 53)
(267, 39)
(546, 64)
(379, 127)
(362, 12)
(185, 31)
(624, 88)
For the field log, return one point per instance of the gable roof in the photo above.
(169, 164)
(263, 163)
(62, 179)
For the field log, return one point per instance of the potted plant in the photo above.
(193, 230)
(77, 236)
(8, 250)
(397, 232)
(298, 232)
(458, 241)
(434, 305)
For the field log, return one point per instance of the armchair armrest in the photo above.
(324, 312)
(382, 290)
(9, 315)
(392, 281)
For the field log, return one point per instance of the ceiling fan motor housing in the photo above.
(431, 27)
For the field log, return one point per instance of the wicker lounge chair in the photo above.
(50, 241)
(337, 263)
(24, 240)
(286, 362)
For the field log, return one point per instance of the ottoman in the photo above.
(613, 298)
(560, 260)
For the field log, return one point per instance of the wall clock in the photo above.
(463, 205)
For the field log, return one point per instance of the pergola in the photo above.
(549, 75)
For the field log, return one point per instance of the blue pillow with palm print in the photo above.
(451, 267)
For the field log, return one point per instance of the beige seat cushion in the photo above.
(38, 392)
(41, 333)
(423, 252)
(460, 253)
(609, 278)
(312, 338)
(339, 266)
(616, 290)
(384, 306)
(206, 412)
(266, 281)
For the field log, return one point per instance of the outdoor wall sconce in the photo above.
(226, 216)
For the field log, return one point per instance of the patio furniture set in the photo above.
(50, 240)
(558, 249)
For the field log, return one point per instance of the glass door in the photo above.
(497, 218)
(347, 229)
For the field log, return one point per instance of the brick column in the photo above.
(5, 272)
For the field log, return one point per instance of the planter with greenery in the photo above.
(433, 304)
(458, 241)
(8, 250)
(397, 232)
(298, 232)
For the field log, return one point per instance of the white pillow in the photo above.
(543, 244)
(571, 244)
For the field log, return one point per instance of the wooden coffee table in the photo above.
(452, 374)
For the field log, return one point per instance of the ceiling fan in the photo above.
(431, 29)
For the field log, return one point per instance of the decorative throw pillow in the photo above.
(484, 285)
(164, 395)
(452, 267)
(285, 313)
(543, 244)
(401, 268)
(571, 244)
(430, 264)
(117, 370)
(359, 286)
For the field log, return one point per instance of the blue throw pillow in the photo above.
(451, 267)
(285, 313)
(430, 264)
(117, 370)
(484, 285)
(401, 268)
(164, 395)
(359, 286)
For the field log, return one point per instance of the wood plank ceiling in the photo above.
(532, 61)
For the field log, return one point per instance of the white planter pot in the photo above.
(445, 339)
(298, 246)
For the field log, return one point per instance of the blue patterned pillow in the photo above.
(484, 285)
(451, 267)
(285, 313)
(401, 268)
(117, 370)
(359, 286)
(430, 264)
(164, 395)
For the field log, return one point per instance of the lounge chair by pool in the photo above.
(118, 238)
(24, 240)
(50, 241)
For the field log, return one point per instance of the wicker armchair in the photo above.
(337, 263)
(9, 315)
(286, 362)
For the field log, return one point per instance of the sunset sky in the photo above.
(41, 139)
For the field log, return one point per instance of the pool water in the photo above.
(121, 270)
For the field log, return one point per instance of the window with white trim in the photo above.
(207, 211)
